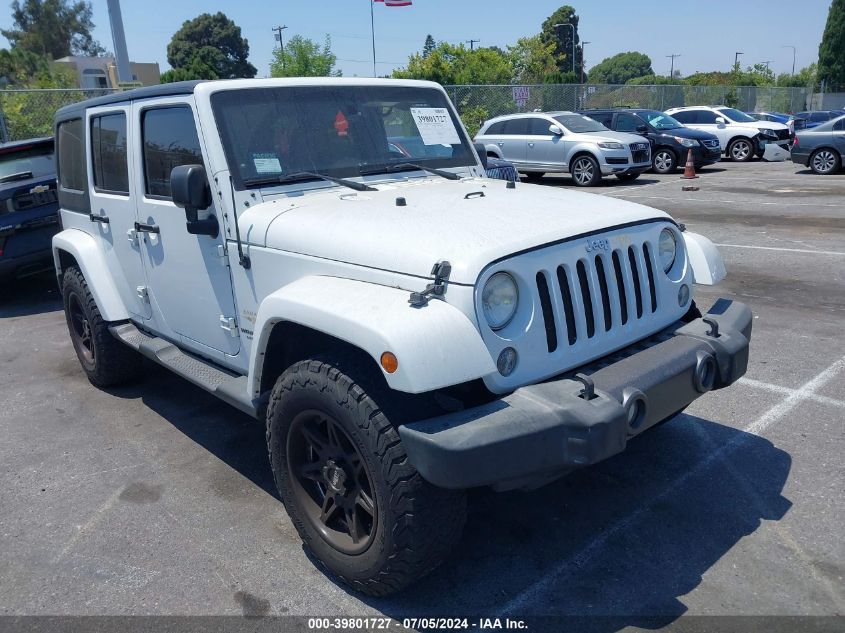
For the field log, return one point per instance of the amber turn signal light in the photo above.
(389, 362)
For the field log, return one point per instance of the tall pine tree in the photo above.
(832, 48)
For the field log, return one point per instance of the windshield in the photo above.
(341, 131)
(34, 159)
(660, 120)
(578, 123)
(735, 115)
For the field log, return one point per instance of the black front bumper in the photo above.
(543, 430)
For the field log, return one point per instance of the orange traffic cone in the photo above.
(689, 169)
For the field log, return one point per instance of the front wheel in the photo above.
(585, 171)
(664, 161)
(741, 150)
(825, 161)
(344, 477)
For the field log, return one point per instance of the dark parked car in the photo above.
(28, 207)
(813, 118)
(822, 148)
(670, 140)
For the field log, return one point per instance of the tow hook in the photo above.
(441, 272)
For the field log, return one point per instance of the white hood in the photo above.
(441, 220)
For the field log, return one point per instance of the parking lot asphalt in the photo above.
(158, 499)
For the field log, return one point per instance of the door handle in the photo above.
(147, 228)
(531, 145)
(500, 144)
(102, 219)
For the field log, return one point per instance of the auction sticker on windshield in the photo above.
(435, 126)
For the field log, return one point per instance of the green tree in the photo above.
(212, 46)
(562, 38)
(621, 68)
(451, 65)
(428, 46)
(302, 57)
(533, 61)
(832, 48)
(53, 28)
(804, 78)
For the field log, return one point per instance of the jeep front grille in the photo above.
(602, 291)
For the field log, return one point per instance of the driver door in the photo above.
(543, 148)
(188, 282)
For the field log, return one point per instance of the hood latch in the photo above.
(441, 272)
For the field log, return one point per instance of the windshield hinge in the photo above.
(441, 272)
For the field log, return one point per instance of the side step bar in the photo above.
(229, 387)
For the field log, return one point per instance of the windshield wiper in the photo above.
(448, 175)
(303, 176)
(21, 175)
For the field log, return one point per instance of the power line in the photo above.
(472, 43)
(672, 70)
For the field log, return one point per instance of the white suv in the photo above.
(742, 136)
(560, 142)
(403, 326)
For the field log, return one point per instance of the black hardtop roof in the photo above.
(75, 110)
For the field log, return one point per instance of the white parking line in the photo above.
(750, 382)
(778, 248)
(581, 558)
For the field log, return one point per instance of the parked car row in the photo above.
(592, 144)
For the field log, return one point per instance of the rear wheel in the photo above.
(585, 171)
(741, 150)
(344, 477)
(105, 360)
(664, 161)
(825, 161)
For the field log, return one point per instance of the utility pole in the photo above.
(571, 26)
(767, 62)
(672, 69)
(472, 43)
(583, 57)
(736, 60)
(278, 30)
(794, 50)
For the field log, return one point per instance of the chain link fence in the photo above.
(29, 113)
(479, 103)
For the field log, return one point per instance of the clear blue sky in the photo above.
(706, 33)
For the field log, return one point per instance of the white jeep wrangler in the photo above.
(328, 256)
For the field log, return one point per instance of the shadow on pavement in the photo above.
(615, 545)
(29, 296)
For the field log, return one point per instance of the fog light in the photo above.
(683, 295)
(507, 361)
(635, 407)
(705, 373)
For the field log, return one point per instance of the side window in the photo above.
(819, 116)
(516, 127)
(686, 116)
(706, 116)
(627, 122)
(169, 137)
(839, 126)
(539, 127)
(605, 118)
(71, 152)
(108, 153)
(495, 129)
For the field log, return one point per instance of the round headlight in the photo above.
(666, 249)
(499, 299)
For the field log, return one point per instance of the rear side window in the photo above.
(819, 116)
(686, 116)
(517, 127)
(839, 125)
(169, 137)
(71, 149)
(108, 150)
(495, 129)
(605, 118)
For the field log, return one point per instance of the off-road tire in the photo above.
(107, 362)
(416, 524)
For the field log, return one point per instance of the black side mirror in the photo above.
(190, 191)
(642, 129)
(482, 153)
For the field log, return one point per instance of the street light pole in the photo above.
(794, 50)
(736, 60)
(571, 26)
(583, 57)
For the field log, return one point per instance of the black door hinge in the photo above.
(441, 272)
